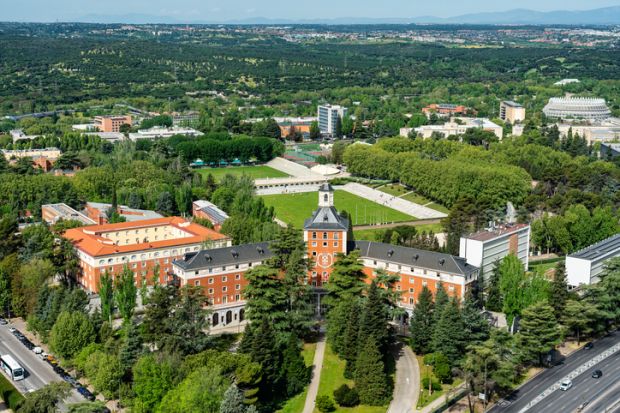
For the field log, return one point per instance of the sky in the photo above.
(224, 10)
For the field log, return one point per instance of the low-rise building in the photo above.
(111, 123)
(98, 212)
(185, 118)
(564, 82)
(41, 158)
(53, 213)
(610, 150)
(511, 112)
(146, 247)
(577, 108)
(19, 135)
(607, 130)
(162, 132)
(446, 110)
(585, 267)
(456, 127)
(208, 210)
(485, 248)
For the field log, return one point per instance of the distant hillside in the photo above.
(603, 16)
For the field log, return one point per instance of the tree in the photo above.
(272, 129)
(351, 340)
(476, 327)
(374, 319)
(294, 368)
(131, 347)
(347, 277)
(441, 301)
(106, 295)
(189, 320)
(165, 203)
(46, 399)
(448, 334)
(315, 131)
(27, 281)
(577, 316)
(539, 332)
(233, 400)
(265, 352)
(494, 300)
(559, 290)
(72, 331)
(125, 293)
(512, 277)
(370, 379)
(422, 322)
(88, 407)
(153, 377)
(104, 372)
(202, 391)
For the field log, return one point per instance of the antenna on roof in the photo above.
(390, 252)
(442, 261)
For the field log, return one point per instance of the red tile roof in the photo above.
(89, 240)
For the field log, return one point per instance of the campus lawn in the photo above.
(426, 371)
(256, 172)
(420, 200)
(296, 404)
(393, 189)
(295, 208)
(332, 378)
(370, 234)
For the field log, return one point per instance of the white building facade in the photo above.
(584, 267)
(329, 116)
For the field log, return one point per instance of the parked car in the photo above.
(566, 384)
(588, 346)
(37, 350)
(60, 371)
(597, 374)
(12, 330)
(86, 393)
(3, 322)
(69, 379)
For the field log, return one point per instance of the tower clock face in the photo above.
(324, 260)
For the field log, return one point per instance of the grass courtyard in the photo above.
(406, 193)
(256, 172)
(332, 378)
(295, 208)
(371, 234)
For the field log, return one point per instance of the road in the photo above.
(598, 392)
(39, 373)
(317, 366)
(407, 383)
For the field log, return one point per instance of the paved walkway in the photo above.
(291, 168)
(317, 365)
(407, 384)
(399, 204)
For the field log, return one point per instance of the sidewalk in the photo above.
(317, 365)
(437, 403)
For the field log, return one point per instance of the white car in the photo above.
(566, 384)
(37, 350)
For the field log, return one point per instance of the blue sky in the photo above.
(220, 10)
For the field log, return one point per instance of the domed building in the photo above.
(577, 108)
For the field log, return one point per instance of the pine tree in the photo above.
(476, 327)
(494, 300)
(131, 347)
(106, 295)
(448, 334)
(294, 367)
(511, 282)
(347, 278)
(539, 332)
(232, 401)
(265, 352)
(374, 319)
(370, 379)
(421, 325)
(125, 293)
(337, 319)
(351, 344)
(441, 300)
(559, 290)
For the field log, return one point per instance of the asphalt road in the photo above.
(585, 388)
(39, 373)
(407, 381)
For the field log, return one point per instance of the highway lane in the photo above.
(526, 393)
(39, 373)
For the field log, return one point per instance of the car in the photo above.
(3, 322)
(69, 379)
(588, 346)
(597, 374)
(86, 393)
(12, 330)
(37, 350)
(566, 384)
(582, 406)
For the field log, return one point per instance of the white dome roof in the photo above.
(325, 170)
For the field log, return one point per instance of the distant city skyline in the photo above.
(236, 10)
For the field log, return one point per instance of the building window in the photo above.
(374, 262)
(314, 273)
(314, 253)
(134, 265)
(335, 235)
(314, 235)
(411, 301)
(223, 268)
(237, 286)
(224, 289)
(195, 272)
(314, 243)
(325, 235)
(411, 280)
(210, 280)
(325, 244)
(451, 288)
(424, 283)
(335, 243)
(411, 290)
(197, 283)
(249, 264)
(224, 300)
(236, 266)
(238, 277)
(237, 297)
(224, 279)
(210, 290)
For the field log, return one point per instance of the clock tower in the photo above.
(325, 234)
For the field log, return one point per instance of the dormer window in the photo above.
(325, 198)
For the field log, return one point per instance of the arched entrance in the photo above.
(215, 320)
(228, 317)
(242, 314)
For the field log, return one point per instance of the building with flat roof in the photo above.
(577, 108)
(447, 110)
(19, 135)
(585, 267)
(146, 247)
(111, 123)
(98, 212)
(221, 271)
(52, 213)
(328, 118)
(208, 210)
(456, 127)
(158, 132)
(485, 248)
(610, 150)
(607, 130)
(511, 112)
(50, 153)
(564, 82)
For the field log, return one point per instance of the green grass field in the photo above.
(256, 172)
(296, 403)
(295, 208)
(370, 234)
(332, 378)
(400, 191)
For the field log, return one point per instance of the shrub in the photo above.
(325, 404)
(435, 386)
(12, 398)
(346, 396)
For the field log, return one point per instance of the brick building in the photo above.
(141, 245)
(111, 123)
(220, 272)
